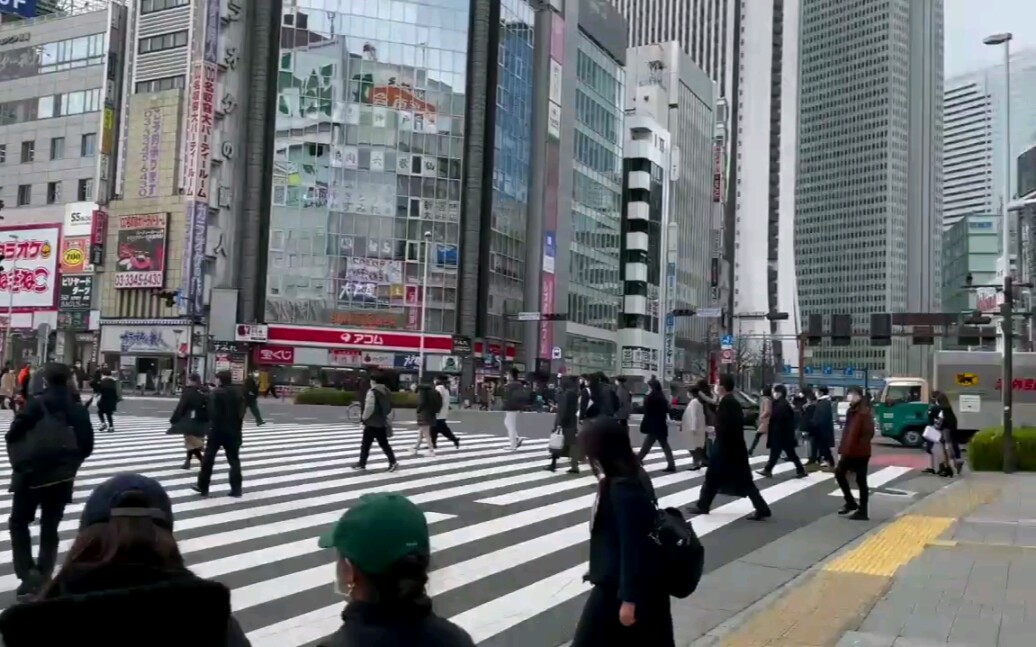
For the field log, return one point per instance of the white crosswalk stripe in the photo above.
(508, 537)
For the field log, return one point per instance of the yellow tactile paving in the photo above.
(958, 501)
(887, 551)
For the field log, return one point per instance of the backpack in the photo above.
(681, 553)
(49, 452)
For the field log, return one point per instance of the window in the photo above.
(63, 105)
(160, 85)
(53, 192)
(151, 6)
(28, 151)
(70, 54)
(88, 145)
(57, 148)
(162, 42)
(3, 153)
(86, 190)
(24, 195)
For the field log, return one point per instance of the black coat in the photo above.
(226, 414)
(656, 415)
(823, 428)
(123, 606)
(366, 624)
(622, 555)
(782, 426)
(567, 415)
(107, 395)
(728, 469)
(191, 416)
(251, 390)
(56, 399)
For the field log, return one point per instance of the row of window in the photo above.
(160, 85)
(162, 42)
(55, 192)
(151, 6)
(72, 53)
(69, 103)
(87, 148)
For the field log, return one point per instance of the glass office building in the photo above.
(594, 259)
(510, 168)
(367, 160)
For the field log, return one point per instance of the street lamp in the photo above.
(424, 302)
(11, 282)
(1007, 323)
(176, 355)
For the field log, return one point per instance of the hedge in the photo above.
(338, 398)
(986, 449)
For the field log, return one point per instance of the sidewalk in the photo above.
(958, 568)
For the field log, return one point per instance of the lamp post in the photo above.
(176, 355)
(424, 302)
(1006, 323)
(11, 282)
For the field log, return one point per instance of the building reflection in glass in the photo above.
(367, 158)
(511, 168)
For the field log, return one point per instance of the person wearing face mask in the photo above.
(382, 551)
(781, 437)
(854, 453)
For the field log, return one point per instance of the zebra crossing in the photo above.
(508, 537)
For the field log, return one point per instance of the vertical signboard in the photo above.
(672, 248)
(548, 284)
(197, 154)
(112, 97)
(150, 154)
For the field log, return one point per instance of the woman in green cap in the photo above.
(383, 551)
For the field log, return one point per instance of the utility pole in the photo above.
(803, 341)
(1007, 385)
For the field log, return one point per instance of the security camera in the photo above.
(427, 234)
(969, 279)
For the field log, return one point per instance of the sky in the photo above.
(969, 21)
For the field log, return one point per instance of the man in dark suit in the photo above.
(729, 471)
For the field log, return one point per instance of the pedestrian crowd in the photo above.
(124, 574)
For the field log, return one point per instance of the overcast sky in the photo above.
(969, 21)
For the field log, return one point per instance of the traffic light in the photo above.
(923, 336)
(776, 316)
(968, 336)
(684, 312)
(815, 329)
(881, 329)
(841, 330)
(554, 316)
(169, 296)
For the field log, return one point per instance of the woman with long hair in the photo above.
(655, 424)
(107, 399)
(627, 604)
(382, 555)
(125, 563)
(428, 404)
(765, 411)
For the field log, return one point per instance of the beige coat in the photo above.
(7, 384)
(694, 424)
(765, 410)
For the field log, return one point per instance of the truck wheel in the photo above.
(912, 438)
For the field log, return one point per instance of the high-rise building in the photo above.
(971, 246)
(868, 219)
(751, 51)
(664, 83)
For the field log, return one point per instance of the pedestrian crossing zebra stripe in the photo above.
(263, 546)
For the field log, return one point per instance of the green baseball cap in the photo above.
(378, 531)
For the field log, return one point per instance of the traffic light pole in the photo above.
(1007, 388)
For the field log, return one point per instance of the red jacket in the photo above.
(859, 431)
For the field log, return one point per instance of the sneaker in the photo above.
(393, 467)
(456, 443)
(359, 467)
(765, 474)
(670, 469)
(518, 443)
(759, 516)
(859, 515)
(235, 495)
(848, 509)
(199, 490)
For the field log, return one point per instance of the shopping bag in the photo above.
(556, 443)
(932, 435)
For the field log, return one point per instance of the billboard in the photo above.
(76, 292)
(23, 8)
(141, 242)
(74, 254)
(79, 218)
(30, 265)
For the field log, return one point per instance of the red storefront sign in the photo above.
(275, 355)
(494, 349)
(362, 339)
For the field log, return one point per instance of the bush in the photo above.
(404, 400)
(325, 396)
(986, 449)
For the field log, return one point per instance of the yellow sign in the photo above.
(967, 379)
(73, 257)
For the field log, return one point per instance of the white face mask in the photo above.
(852, 398)
(337, 585)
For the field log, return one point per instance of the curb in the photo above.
(729, 626)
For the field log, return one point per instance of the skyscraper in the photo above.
(868, 216)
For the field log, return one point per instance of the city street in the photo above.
(509, 538)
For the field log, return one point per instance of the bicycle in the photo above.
(353, 412)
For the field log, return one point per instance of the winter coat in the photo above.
(765, 411)
(625, 402)
(251, 392)
(108, 394)
(728, 468)
(84, 605)
(823, 428)
(364, 623)
(656, 415)
(694, 424)
(782, 426)
(426, 415)
(226, 414)
(859, 432)
(57, 400)
(8, 383)
(516, 396)
(191, 416)
(377, 404)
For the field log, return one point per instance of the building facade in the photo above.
(59, 91)
(971, 246)
(968, 149)
(870, 73)
(686, 110)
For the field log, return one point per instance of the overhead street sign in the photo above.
(709, 313)
(528, 316)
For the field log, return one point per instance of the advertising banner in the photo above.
(373, 270)
(141, 251)
(76, 292)
(150, 152)
(198, 142)
(193, 288)
(23, 8)
(79, 218)
(74, 255)
(361, 339)
(280, 355)
(30, 266)
(98, 232)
